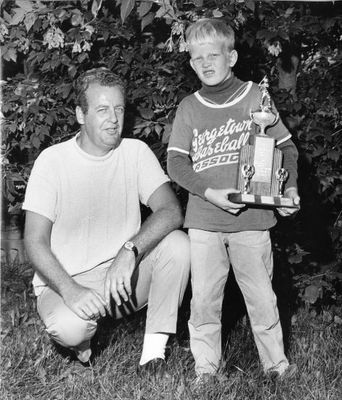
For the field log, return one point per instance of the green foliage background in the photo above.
(47, 44)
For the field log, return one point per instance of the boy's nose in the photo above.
(206, 62)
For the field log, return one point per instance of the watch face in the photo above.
(129, 245)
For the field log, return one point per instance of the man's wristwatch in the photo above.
(131, 247)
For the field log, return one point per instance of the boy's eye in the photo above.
(213, 56)
(198, 60)
(209, 58)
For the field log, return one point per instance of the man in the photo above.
(83, 229)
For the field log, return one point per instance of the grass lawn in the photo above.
(33, 368)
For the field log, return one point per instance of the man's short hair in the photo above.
(102, 76)
(210, 29)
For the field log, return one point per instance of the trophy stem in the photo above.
(262, 130)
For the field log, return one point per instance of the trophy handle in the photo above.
(276, 119)
(281, 176)
(247, 171)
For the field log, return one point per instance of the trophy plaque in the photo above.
(261, 177)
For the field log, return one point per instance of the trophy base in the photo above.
(258, 200)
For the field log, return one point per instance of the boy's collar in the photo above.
(220, 87)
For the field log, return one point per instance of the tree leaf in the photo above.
(9, 54)
(25, 5)
(312, 293)
(146, 113)
(29, 20)
(147, 19)
(126, 8)
(217, 13)
(35, 142)
(77, 18)
(95, 7)
(17, 17)
(166, 11)
(250, 4)
(144, 7)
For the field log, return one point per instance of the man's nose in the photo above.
(112, 115)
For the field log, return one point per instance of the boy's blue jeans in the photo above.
(250, 255)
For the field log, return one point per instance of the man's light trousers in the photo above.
(160, 280)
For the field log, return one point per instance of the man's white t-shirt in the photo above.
(93, 202)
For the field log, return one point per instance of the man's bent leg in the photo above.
(169, 266)
(64, 326)
(252, 259)
(162, 279)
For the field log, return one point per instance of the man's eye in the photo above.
(119, 110)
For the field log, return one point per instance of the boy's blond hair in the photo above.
(210, 29)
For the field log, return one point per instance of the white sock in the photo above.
(153, 347)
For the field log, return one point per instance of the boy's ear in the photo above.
(192, 64)
(79, 115)
(233, 57)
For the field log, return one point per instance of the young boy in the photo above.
(210, 127)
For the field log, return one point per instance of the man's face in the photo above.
(102, 125)
(212, 62)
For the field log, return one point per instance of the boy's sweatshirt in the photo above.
(210, 127)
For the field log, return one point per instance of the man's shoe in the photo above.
(154, 369)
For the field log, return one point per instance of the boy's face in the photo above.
(212, 62)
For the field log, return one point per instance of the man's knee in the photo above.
(177, 245)
(67, 329)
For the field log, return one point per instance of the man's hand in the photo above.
(118, 279)
(84, 302)
(292, 194)
(219, 197)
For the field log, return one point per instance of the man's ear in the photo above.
(79, 115)
(233, 57)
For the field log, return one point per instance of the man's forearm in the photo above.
(158, 225)
(48, 267)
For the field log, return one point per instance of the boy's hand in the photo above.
(219, 197)
(292, 194)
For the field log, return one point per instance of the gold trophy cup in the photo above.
(261, 177)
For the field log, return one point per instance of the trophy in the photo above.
(261, 177)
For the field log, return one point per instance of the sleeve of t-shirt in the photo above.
(179, 164)
(181, 135)
(41, 190)
(150, 173)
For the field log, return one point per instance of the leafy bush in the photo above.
(46, 45)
